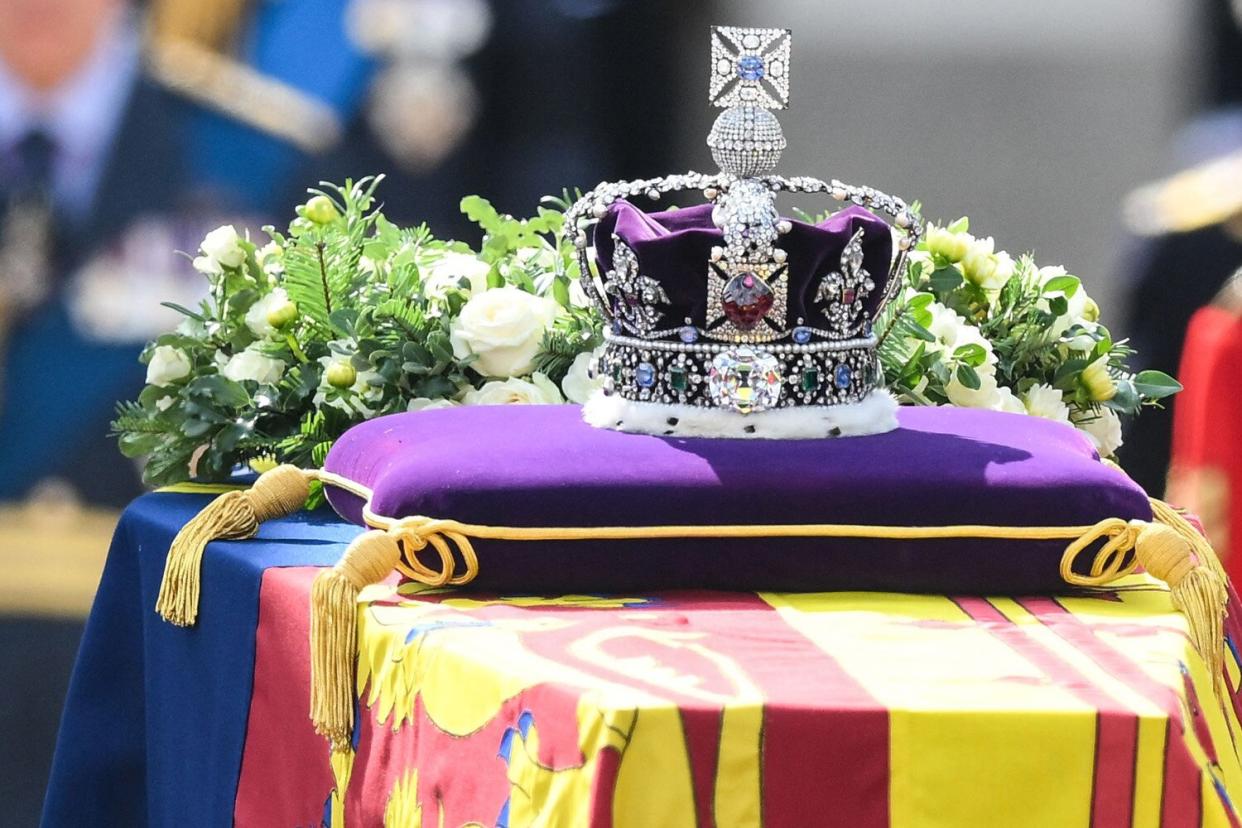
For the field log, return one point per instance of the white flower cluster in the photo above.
(220, 249)
(348, 316)
(976, 262)
(499, 331)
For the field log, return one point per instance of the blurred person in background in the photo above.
(100, 184)
(1205, 473)
(1189, 230)
(130, 129)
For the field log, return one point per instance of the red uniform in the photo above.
(1205, 475)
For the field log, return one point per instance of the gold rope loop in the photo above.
(468, 558)
(1111, 561)
(417, 533)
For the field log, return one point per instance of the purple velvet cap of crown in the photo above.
(543, 466)
(674, 246)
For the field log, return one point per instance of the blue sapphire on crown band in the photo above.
(645, 374)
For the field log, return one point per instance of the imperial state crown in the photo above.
(727, 319)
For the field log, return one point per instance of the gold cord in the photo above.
(1169, 547)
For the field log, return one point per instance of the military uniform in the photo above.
(166, 166)
(1188, 240)
(1205, 475)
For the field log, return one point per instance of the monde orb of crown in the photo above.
(746, 141)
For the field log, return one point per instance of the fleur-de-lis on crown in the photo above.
(843, 290)
(634, 296)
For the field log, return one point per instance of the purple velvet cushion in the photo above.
(543, 466)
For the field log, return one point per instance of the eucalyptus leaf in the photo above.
(440, 347)
(972, 354)
(1156, 385)
(218, 390)
(968, 377)
(1067, 285)
(343, 321)
(1126, 400)
(945, 279)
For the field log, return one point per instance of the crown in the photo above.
(727, 308)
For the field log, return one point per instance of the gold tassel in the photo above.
(231, 516)
(1196, 582)
(334, 631)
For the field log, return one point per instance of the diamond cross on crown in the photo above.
(750, 67)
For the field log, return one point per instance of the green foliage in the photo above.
(974, 327)
(341, 285)
(344, 316)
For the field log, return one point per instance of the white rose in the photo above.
(539, 390)
(269, 258)
(256, 317)
(253, 365)
(449, 269)
(207, 266)
(221, 246)
(167, 364)
(1009, 401)
(504, 328)
(987, 395)
(1080, 307)
(984, 268)
(952, 331)
(1104, 429)
(578, 384)
(428, 404)
(1045, 401)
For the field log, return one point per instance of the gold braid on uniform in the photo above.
(188, 50)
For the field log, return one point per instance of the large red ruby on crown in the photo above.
(746, 300)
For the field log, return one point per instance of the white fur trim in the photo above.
(874, 414)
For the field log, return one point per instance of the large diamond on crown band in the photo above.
(748, 380)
